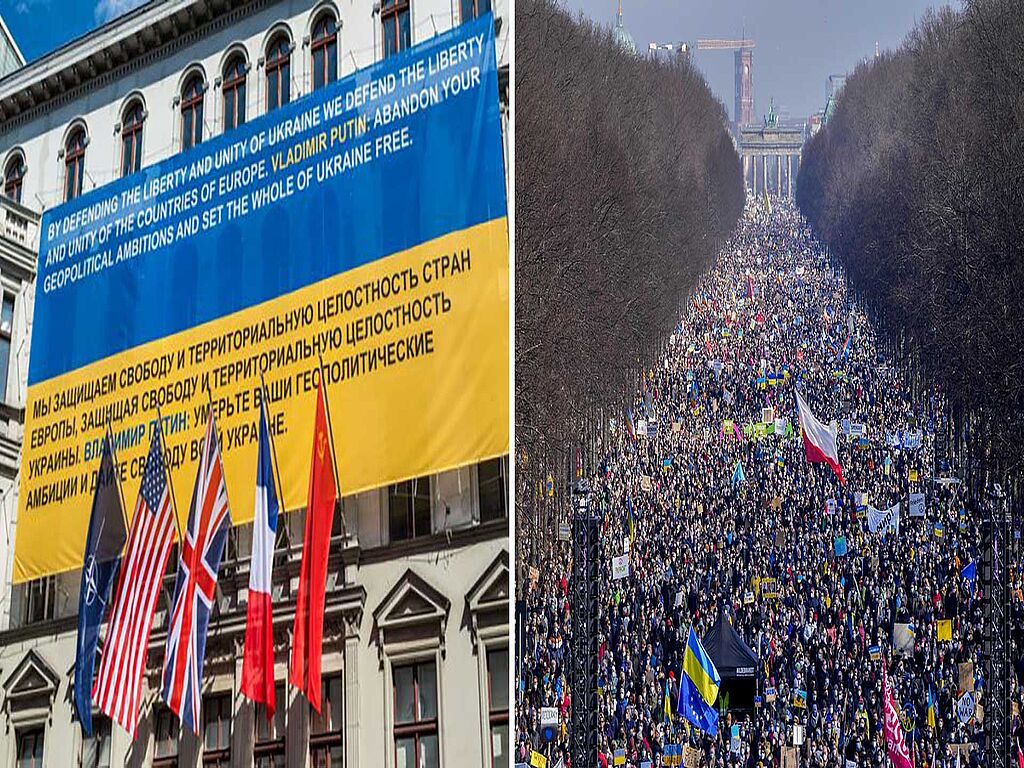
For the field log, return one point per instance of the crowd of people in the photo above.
(711, 461)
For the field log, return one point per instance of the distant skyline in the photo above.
(799, 42)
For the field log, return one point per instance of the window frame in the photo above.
(395, 10)
(279, 64)
(174, 733)
(192, 103)
(74, 161)
(271, 748)
(15, 182)
(418, 728)
(6, 337)
(234, 80)
(99, 723)
(326, 44)
(46, 589)
(475, 6)
(38, 733)
(323, 741)
(502, 480)
(496, 716)
(132, 131)
(221, 756)
(394, 491)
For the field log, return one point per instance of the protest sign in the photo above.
(917, 505)
(884, 520)
(620, 567)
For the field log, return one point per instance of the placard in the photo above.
(620, 567)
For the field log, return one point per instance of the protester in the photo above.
(774, 316)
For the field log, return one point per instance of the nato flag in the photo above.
(103, 545)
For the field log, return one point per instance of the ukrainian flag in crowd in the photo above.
(698, 687)
(931, 708)
(668, 705)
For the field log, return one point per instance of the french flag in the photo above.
(258, 663)
(819, 438)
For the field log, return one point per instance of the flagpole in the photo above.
(117, 479)
(334, 454)
(273, 448)
(167, 475)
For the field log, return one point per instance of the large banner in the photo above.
(363, 225)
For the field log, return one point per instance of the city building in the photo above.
(621, 35)
(771, 156)
(416, 629)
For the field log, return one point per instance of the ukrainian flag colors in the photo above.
(698, 687)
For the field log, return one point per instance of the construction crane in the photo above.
(744, 105)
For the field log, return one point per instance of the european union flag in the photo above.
(698, 687)
(694, 709)
(103, 545)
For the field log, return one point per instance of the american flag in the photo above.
(119, 681)
(196, 585)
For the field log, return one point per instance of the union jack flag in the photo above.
(196, 585)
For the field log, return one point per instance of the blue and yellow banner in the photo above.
(359, 231)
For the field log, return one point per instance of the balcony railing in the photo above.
(19, 224)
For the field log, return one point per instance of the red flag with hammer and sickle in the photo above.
(307, 641)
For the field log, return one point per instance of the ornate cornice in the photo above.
(110, 52)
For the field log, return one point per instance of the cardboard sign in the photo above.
(748, 597)
(770, 694)
(564, 532)
(965, 708)
(917, 505)
(620, 567)
(534, 574)
(769, 588)
(944, 630)
(645, 483)
(537, 760)
(966, 670)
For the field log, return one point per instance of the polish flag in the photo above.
(258, 664)
(819, 438)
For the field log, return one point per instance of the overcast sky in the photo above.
(799, 42)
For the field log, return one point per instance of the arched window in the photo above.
(131, 137)
(74, 163)
(279, 54)
(325, 50)
(233, 86)
(192, 111)
(14, 177)
(395, 16)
